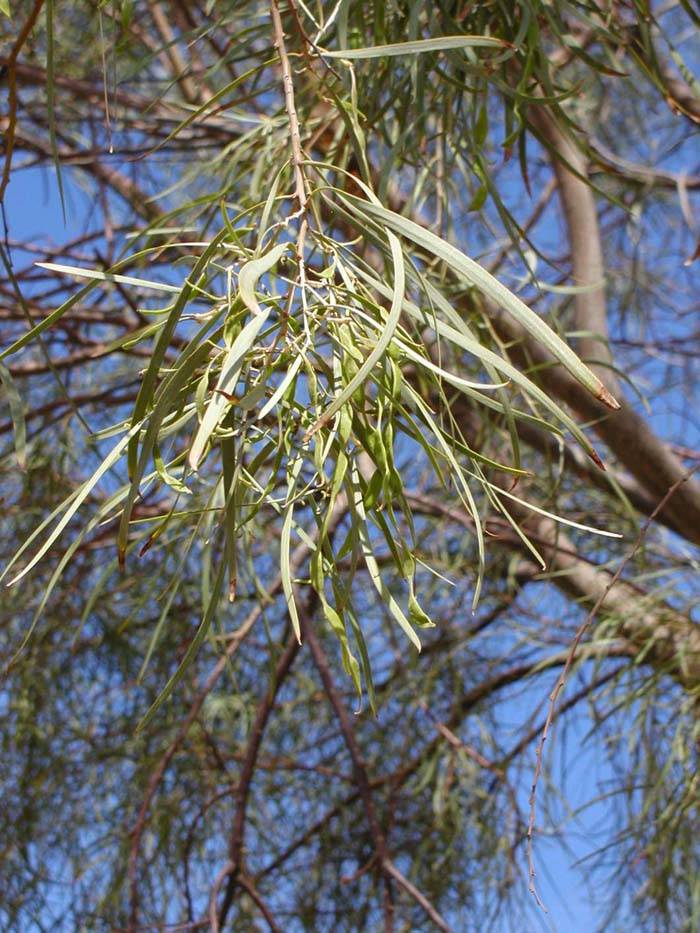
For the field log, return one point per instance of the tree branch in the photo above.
(416, 895)
(666, 639)
(581, 218)
(360, 768)
(10, 64)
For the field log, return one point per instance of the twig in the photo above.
(295, 136)
(248, 886)
(262, 716)
(417, 896)
(246, 883)
(378, 839)
(257, 732)
(561, 680)
(457, 743)
(314, 829)
(582, 694)
(225, 873)
(10, 65)
(167, 757)
(297, 154)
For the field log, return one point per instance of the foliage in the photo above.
(317, 379)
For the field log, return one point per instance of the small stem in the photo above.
(12, 94)
(297, 154)
(417, 895)
(363, 782)
(561, 680)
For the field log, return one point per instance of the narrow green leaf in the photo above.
(490, 286)
(150, 377)
(176, 581)
(385, 339)
(100, 276)
(192, 648)
(228, 377)
(418, 46)
(47, 322)
(556, 518)
(285, 546)
(512, 372)
(461, 484)
(78, 500)
(253, 270)
(371, 561)
(282, 387)
(16, 407)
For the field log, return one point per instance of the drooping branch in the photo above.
(359, 766)
(581, 217)
(265, 707)
(629, 437)
(11, 73)
(666, 639)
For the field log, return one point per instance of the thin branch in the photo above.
(10, 64)
(223, 874)
(561, 680)
(288, 84)
(346, 728)
(265, 707)
(247, 884)
(157, 776)
(416, 895)
(257, 731)
(297, 159)
(182, 74)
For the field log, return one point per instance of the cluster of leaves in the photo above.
(293, 379)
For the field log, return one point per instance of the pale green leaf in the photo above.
(16, 407)
(380, 347)
(418, 46)
(476, 275)
(100, 276)
(228, 377)
(253, 270)
(76, 501)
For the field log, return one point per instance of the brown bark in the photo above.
(668, 639)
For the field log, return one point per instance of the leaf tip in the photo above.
(607, 398)
(592, 453)
(696, 255)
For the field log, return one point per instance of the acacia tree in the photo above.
(345, 426)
